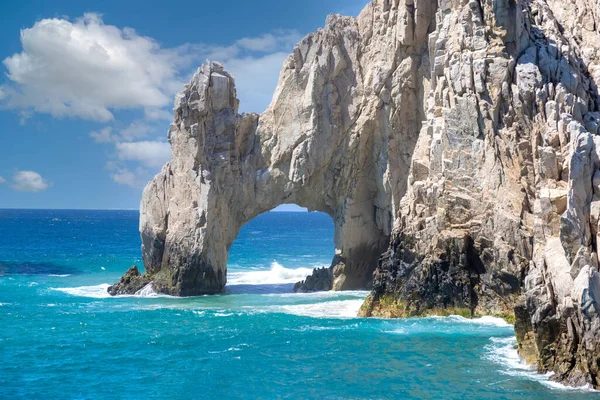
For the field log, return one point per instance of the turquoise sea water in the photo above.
(61, 336)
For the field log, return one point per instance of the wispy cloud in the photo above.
(104, 135)
(151, 154)
(135, 178)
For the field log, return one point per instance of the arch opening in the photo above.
(277, 249)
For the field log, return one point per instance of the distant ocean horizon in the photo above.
(276, 209)
(63, 336)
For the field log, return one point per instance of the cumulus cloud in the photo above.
(86, 68)
(29, 181)
(149, 153)
(2, 180)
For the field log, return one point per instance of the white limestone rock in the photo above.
(462, 131)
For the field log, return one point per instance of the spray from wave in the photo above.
(95, 292)
(502, 351)
(328, 309)
(100, 291)
(278, 274)
(147, 291)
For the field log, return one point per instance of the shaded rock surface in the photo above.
(320, 280)
(458, 137)
(501, 212)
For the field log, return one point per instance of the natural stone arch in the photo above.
(217, 182)
(337, 138)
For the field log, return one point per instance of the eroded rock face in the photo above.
(506, 160)
(334, 139)
(465, 131)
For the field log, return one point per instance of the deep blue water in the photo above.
(62, 337)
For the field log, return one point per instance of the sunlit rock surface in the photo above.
(457, 137)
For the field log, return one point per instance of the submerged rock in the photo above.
(464, 131)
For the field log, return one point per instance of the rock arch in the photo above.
(338, 137)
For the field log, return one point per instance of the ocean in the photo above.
(63, 337)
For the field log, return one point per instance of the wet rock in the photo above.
(130, 283)
(321, 279)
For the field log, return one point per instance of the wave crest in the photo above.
(95, 292)
(278, 274)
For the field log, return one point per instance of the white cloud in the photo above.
(149, 153)
(86, 68)
(29, 181)
(159, 114)
(137, 178)
(2, 180)
(136, 130)
(256, 79)
(124, 177)
(104, 135)
(270, 42)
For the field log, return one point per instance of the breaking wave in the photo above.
(95, 292)
(278, 274)
(502, 351)
(328, 309)
(100, 291)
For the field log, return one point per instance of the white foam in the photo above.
(502, 352)
(331, 294)
(147, 291)
(223, 314)
(485, 320)
(328, 309)
(278, 274)
(100, 292)
(96, 292)
(60, 275)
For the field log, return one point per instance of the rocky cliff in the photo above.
(456, 138)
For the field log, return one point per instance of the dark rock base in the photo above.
(320, 280)
(184, 281)
(130, 283)
(448, 280)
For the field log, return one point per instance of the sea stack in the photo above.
(454, 141)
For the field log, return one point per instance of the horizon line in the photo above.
(111, 209)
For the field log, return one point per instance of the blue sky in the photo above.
(87, 88)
